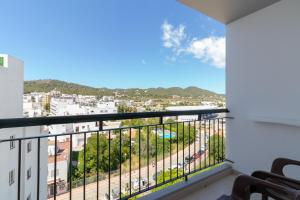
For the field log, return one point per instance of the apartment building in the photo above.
(11, 106)
(62, 166)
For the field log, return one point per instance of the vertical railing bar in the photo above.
(183, 140)
(223, 139)
(177, 147)
(120, 160)
(38, 168)
(156, 155)
(195, 144)
(139, 158)
(205, 144)
(70, 167)
(130, 161)
(55, 166)
(19, 169)
(214, 141)
(148, 179)
(209, 142)
(189, 136)
(98, 149)
(100, 125)
(161, 120)
(200, 141)
(170, 140)
(84, 165)
(163, 153)
(109, 165)
(218, 135)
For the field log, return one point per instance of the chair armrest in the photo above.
(267, 175)
(245, 185)
(280, 163)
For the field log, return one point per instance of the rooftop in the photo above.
(63, 151)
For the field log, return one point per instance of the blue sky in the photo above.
(115, 43)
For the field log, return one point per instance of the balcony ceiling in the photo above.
(227, 11)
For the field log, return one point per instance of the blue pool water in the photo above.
(167, 135)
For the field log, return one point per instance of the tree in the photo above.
(91, 154)
(217, 147)
(126, 109)
(139, 147)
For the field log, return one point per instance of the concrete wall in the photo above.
(263, 85)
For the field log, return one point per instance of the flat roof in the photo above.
(227, 11)
(179, 108)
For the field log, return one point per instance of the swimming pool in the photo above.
(167, 135)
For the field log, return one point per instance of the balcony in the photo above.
(118, 163)
(158, 161)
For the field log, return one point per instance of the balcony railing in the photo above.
(120, 163)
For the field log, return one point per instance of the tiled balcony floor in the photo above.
(214, 190)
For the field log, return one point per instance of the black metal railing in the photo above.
(120, 163)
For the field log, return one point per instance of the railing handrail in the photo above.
(40, 121)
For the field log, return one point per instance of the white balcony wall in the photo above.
(263, 86)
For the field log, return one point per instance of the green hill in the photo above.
(72, 88)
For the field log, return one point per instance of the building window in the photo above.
(29, 147)
(28, 173)
(12, 144)
(11, 177)
(28, 197)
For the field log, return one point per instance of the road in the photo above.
(91, 189)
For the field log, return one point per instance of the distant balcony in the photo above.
(135, 160)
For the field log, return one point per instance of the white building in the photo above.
(62, 166)
(11, 106)
(64, 106)
(31, 107)
(183, 118)
(107, 107)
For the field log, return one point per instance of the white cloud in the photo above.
(173, 36)
(209, 50)
(144, 62)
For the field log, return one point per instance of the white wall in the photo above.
(263, 81)
(11, 106)
(11, 88)
(29, 160)
(62, 169)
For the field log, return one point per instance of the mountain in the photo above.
(72, 88)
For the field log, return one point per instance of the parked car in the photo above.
(175, 166)
(189, 159)
(135, 184)
(198, 154)
(115, 194)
